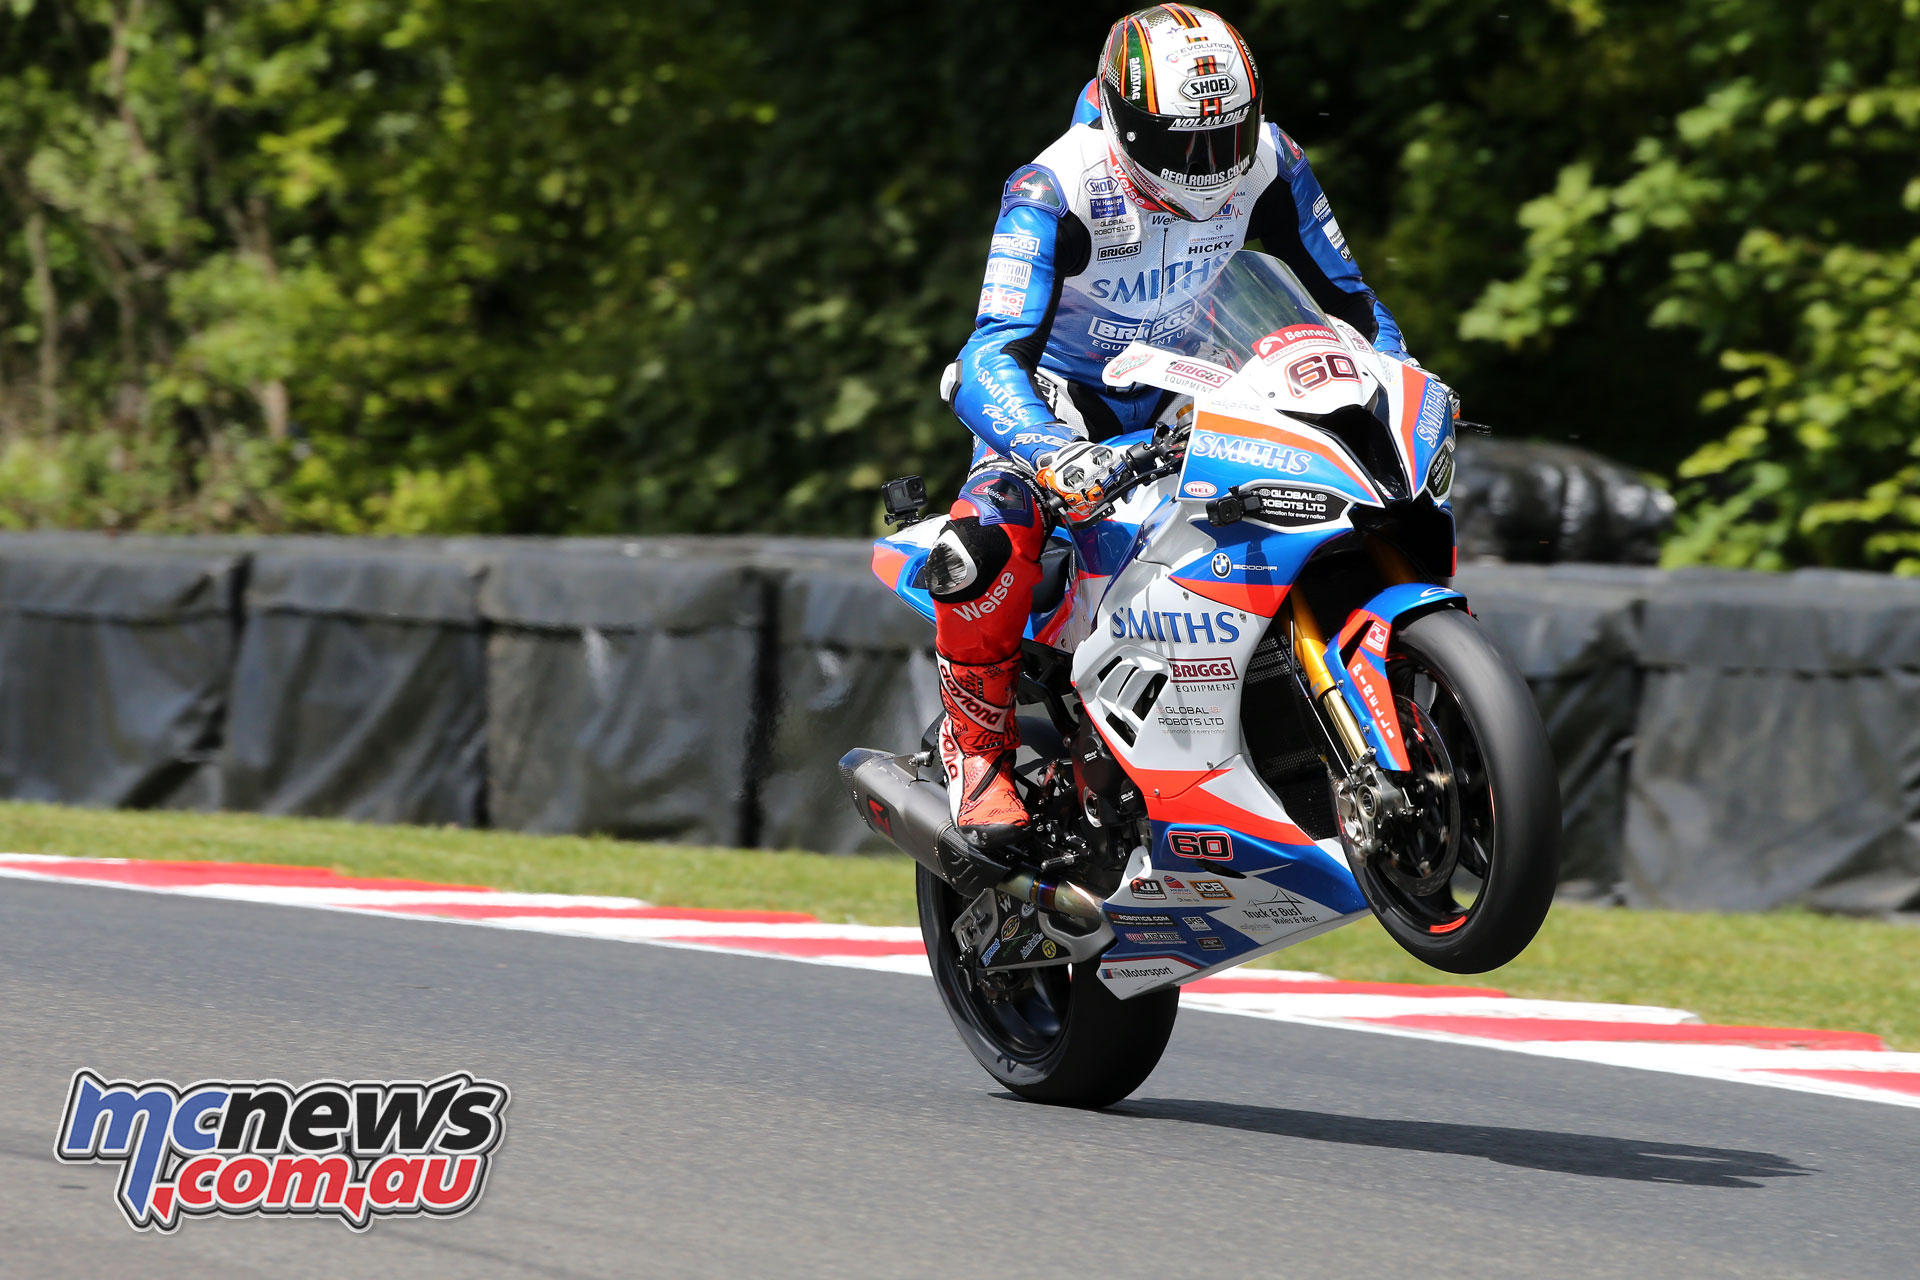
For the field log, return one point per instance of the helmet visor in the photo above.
(1186, 152)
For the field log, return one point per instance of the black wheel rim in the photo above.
(1021, 1013)
(1432, 867)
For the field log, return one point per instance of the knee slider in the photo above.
(966, 560)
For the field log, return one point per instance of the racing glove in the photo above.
(1081, 473)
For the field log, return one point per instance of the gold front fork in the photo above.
(1309, 649)
(1310, 644)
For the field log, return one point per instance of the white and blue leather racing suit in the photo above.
(1077, 270)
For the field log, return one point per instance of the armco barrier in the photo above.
(1724, 740)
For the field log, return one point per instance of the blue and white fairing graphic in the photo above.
(1219, 897)
(1218, 462)
(1427, 426)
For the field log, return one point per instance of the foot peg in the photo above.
(969, 866)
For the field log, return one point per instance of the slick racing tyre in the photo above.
(1054, 1034)
(1465, 881)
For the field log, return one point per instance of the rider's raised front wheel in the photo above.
(1464, 883)
(1052, 1035)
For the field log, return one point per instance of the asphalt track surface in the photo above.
(685, 1113)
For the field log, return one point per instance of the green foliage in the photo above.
(1773, 220)
(439, 265)
(423, 265)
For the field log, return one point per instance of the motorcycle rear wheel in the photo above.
(1064, 1039)
(1476, 892)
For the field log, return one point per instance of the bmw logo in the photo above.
(1222, 564)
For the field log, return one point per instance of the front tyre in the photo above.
(1052, 1035)
(1464, 882)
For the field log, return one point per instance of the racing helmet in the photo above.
(1181, 101)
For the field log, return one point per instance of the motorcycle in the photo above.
(1254, 710)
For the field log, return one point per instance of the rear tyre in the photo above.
(1054, 1035)
(1465, 884)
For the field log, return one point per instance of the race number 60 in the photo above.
(1316, 370)
(1217, 845)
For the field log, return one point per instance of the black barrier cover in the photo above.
(1761, 727)
(360, 686)
(1777, 741)
(855, 668)
(623, 683)
(113, 665)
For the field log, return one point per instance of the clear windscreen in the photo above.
(1254, 297)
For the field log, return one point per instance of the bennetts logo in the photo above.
(240, 1148)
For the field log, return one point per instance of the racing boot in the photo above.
(977, 744)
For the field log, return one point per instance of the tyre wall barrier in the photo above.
(116, 659)
(1529, 502)
(622, 686)
(1778, 755)
(358, 687)
(1731, 741)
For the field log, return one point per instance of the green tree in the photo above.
(1773, 222)
(435, 265)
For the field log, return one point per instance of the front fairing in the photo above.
(1229, 873)
(1287, 395)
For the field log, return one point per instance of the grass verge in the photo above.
(1779, 969)
(866, 890)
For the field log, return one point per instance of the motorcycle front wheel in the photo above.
(1054, 1035)
(1465, 881)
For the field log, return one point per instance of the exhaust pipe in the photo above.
(1062, 897)
(893, 800)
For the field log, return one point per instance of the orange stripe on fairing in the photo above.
(887, 564)
(1413, 393)
(1221, 424)
(1198, 806)
(1256, 598)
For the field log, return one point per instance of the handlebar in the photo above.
(1142, 464)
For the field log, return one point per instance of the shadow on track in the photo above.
(1586, 1154)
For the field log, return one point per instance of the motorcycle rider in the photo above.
(1115, 232)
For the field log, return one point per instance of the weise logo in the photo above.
(239, 1148)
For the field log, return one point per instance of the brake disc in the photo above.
(1417, 845)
